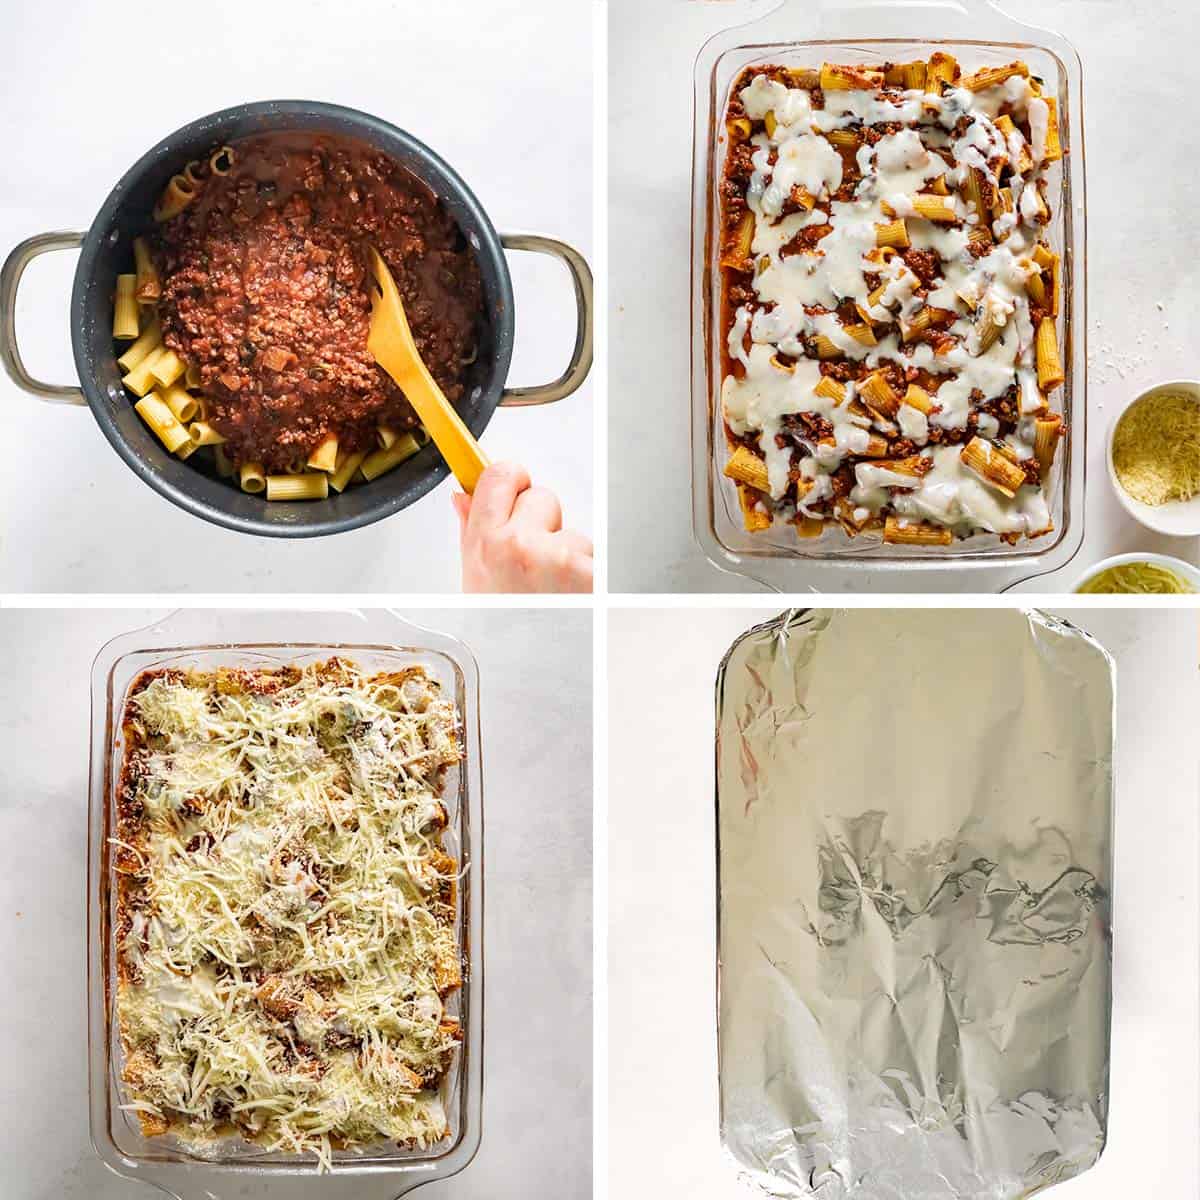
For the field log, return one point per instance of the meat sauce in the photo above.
(265, 293)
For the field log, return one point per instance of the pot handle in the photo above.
(581, 356)
(10, 279)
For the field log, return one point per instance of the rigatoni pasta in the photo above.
(125, 311)
(890, 300)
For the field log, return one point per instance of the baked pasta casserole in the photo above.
(285, 908)
(889, 299)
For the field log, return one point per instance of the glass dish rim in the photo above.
(382, 634)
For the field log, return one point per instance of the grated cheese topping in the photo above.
(1156, 448)
(285, 915)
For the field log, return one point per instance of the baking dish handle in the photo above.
(196, 1182)
(10, 280)
(890, 18)
(581, 356)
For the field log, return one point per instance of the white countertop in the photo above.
(1143, 326)
(661, 939)
(537, 746)
(87, 89)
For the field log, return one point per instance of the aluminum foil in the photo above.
(915, 865)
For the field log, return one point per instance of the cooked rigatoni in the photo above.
(162, 421)
(308, 485)
(380, 461)
(148, 287)
(125, 309)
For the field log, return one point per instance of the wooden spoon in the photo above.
(391, 344)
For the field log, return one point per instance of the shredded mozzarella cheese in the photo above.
(286, 921)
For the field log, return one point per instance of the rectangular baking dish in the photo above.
(377, 641)
(801, 33)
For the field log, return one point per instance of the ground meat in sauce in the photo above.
(265, 293)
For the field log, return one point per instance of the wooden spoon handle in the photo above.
(390, 343)
(454, 440)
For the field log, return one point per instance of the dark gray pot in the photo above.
(106, 252)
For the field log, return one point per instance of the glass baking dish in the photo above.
(377, 641)
(805, 33)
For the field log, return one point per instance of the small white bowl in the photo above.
(1185, 570)
(1176, 518)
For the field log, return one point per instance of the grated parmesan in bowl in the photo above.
(1153, 458)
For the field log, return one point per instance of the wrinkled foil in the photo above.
(915, 866)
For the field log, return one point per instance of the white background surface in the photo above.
(537, 869)
(1137, 262)
(502, 89)
(662, 947)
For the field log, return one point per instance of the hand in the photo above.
(513, 540)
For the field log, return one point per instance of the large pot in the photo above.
(106, 253)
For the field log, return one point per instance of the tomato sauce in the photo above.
(265, 291)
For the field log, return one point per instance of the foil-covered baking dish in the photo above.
(914, 813)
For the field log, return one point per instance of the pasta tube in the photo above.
(181, 402)
(1053, 150)
(221, 162)
(991, 465)
(910, 75)
(895, 233)
(324, 457)
(376, 463)
(347, 465)
(168, 367)
(1048, 432)
(311, 485)
(162, 421)
(877, 394)
(900, 531)
(849, 79)
(203, 434)
(940, 73)
(195, 172)
(139, 381)
(929, 206)
(149, 287)
(987, 77)
(738, 246)
(754, 518)
(918, 398)
(148, 341)
(804, 77)
(746, 467)
(831, 389)
(177, 195)
(125, 309)
(844, 139)
(1049, 363)
(251, 478)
